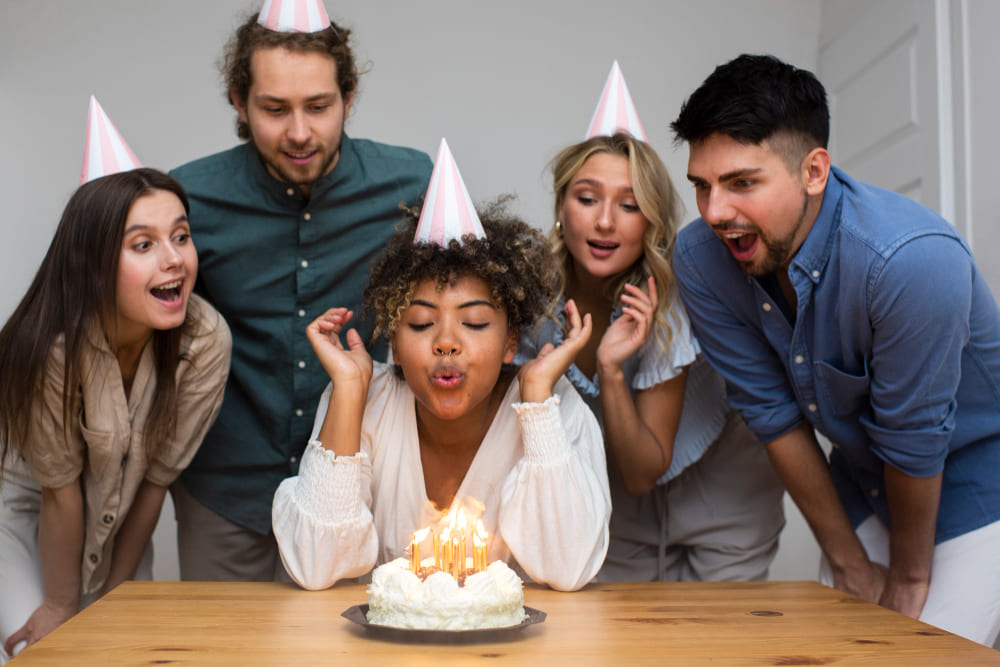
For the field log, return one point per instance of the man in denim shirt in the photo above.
(833, 305)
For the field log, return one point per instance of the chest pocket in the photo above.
(842, 394)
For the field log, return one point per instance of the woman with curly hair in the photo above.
(395, 445)
(693, 494)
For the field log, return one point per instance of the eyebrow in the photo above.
(265, 97)
(592, 182)
(728, 176)
(467, 304)
(142, 227)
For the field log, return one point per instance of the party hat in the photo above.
(448, 212)
(294, 16)
(105, 152)
(615, 111)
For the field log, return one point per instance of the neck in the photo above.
(465, 434)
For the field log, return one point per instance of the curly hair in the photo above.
(251, 36)
(658, 201)
(513, 260)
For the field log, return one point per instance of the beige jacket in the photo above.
(105, 449)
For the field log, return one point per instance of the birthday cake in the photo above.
(436, 600)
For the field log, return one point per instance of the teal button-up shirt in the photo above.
(271, 260)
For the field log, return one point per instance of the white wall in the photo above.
(508, 83)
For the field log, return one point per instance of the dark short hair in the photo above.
(753, 98)
(514, 261)
(251, 36)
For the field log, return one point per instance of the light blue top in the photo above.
(704, 410)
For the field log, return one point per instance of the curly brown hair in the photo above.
(251, 36)
(514, 260)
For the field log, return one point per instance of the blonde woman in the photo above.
(693, 494)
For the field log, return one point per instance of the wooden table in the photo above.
(755, 623)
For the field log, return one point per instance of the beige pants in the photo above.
(213, 548)
(719, 520)
(21, 590)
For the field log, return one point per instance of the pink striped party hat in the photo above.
(105, 152)
(615, 111)
(294, 16)
(448, 212)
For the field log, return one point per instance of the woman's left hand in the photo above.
(46, 618)
(538, 376)
(628, 333)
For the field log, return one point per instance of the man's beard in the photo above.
(779, 251)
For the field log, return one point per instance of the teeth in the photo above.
(173, 285)
(733, 235)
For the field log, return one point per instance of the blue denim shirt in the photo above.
(893, 354)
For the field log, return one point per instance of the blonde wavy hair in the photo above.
(659, 203)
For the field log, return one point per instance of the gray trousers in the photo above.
(719, 520)
(210, 547)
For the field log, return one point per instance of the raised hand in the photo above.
(353, 364)
(538, 376)
(627, 334)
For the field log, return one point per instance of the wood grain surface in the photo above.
(747, 623)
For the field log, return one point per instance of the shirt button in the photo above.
(92, 558)
(305, 264)
(874, 493)
(298, 413)
(799, 359)
(815, 274)
(812, 407)
(767, 307)
(290, 191)
(306, 216)
(302, 364)
(302, 313)
(293, 459)
(108, 518)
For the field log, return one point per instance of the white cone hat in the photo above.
(448, 212)
(615, 110)
(294, 16)
(105, 152)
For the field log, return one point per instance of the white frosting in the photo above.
(490, 599)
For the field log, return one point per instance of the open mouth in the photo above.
(741, 244)
(168, 292)
(600, 248)
(300, 157)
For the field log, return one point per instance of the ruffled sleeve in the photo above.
(322, 517)
(654, 366)
(556, 503)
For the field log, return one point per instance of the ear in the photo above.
(510, 346)
(240, 104)
(816, 171)
(348, 102)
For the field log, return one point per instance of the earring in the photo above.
(558, 227)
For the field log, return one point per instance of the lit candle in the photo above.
(462, 537)
(437, 551)
(479, 547)
(446, 550)
(418, 537)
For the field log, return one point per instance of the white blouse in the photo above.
(540, 473)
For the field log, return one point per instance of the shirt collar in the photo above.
(347, 164)
(812, 257)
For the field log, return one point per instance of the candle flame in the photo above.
(480, 531)
(420, 535)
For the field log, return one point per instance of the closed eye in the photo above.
(476, 325)
(419, 326)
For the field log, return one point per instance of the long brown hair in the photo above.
(74, 290)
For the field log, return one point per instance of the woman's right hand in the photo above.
(344, 366)
(44, 620)
(628, 333)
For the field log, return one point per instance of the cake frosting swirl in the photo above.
(493, 598)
